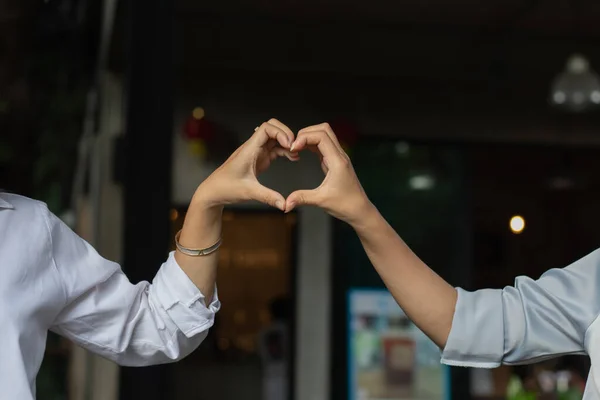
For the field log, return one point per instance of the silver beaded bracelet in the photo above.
(197, 252)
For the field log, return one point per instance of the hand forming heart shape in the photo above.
(340, 193)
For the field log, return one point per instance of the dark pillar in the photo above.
(147, 163)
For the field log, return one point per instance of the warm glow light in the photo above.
(174, 215)
(198, 113)
(223, 343)
(239, 317)
(265, 317)
(517, 224)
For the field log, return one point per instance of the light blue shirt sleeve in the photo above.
(528, 322)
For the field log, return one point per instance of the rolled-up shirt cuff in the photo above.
(477, 335)
(182, 300)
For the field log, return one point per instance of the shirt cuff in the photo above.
(477, 335)
(182, 300)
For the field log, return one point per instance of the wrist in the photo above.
(202, 225)
(206, 214)
(203, 204)
(366, 217)
(204, 197)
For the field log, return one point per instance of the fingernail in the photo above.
(292, 146)
(279, 204)
(291, 206)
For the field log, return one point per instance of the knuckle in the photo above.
(268, 199)
(245, 195)
(273, 120)
(326, 126)
(301, 198)
(344, 160)
(320, 197)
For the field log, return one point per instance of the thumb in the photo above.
(301, 197)
(268, 196)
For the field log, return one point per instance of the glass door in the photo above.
(420, 189)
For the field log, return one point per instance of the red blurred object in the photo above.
(399, 360)
(199, 129)
(346, 132)
(207, 140)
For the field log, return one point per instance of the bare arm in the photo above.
(163, 321)
(235, 181)
(201, 229)
(409, 280)
(529, 321)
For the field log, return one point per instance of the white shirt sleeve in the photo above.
(528, 322)
(133, 325)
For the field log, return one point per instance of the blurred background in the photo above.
(475, 129)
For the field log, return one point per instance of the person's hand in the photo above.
(236, 180)
(340, 193)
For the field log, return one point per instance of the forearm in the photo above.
(427, 299)
(201, 229)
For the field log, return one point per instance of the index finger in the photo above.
(290, 135)
(267, 132)
(324, 127)
(321, 140)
